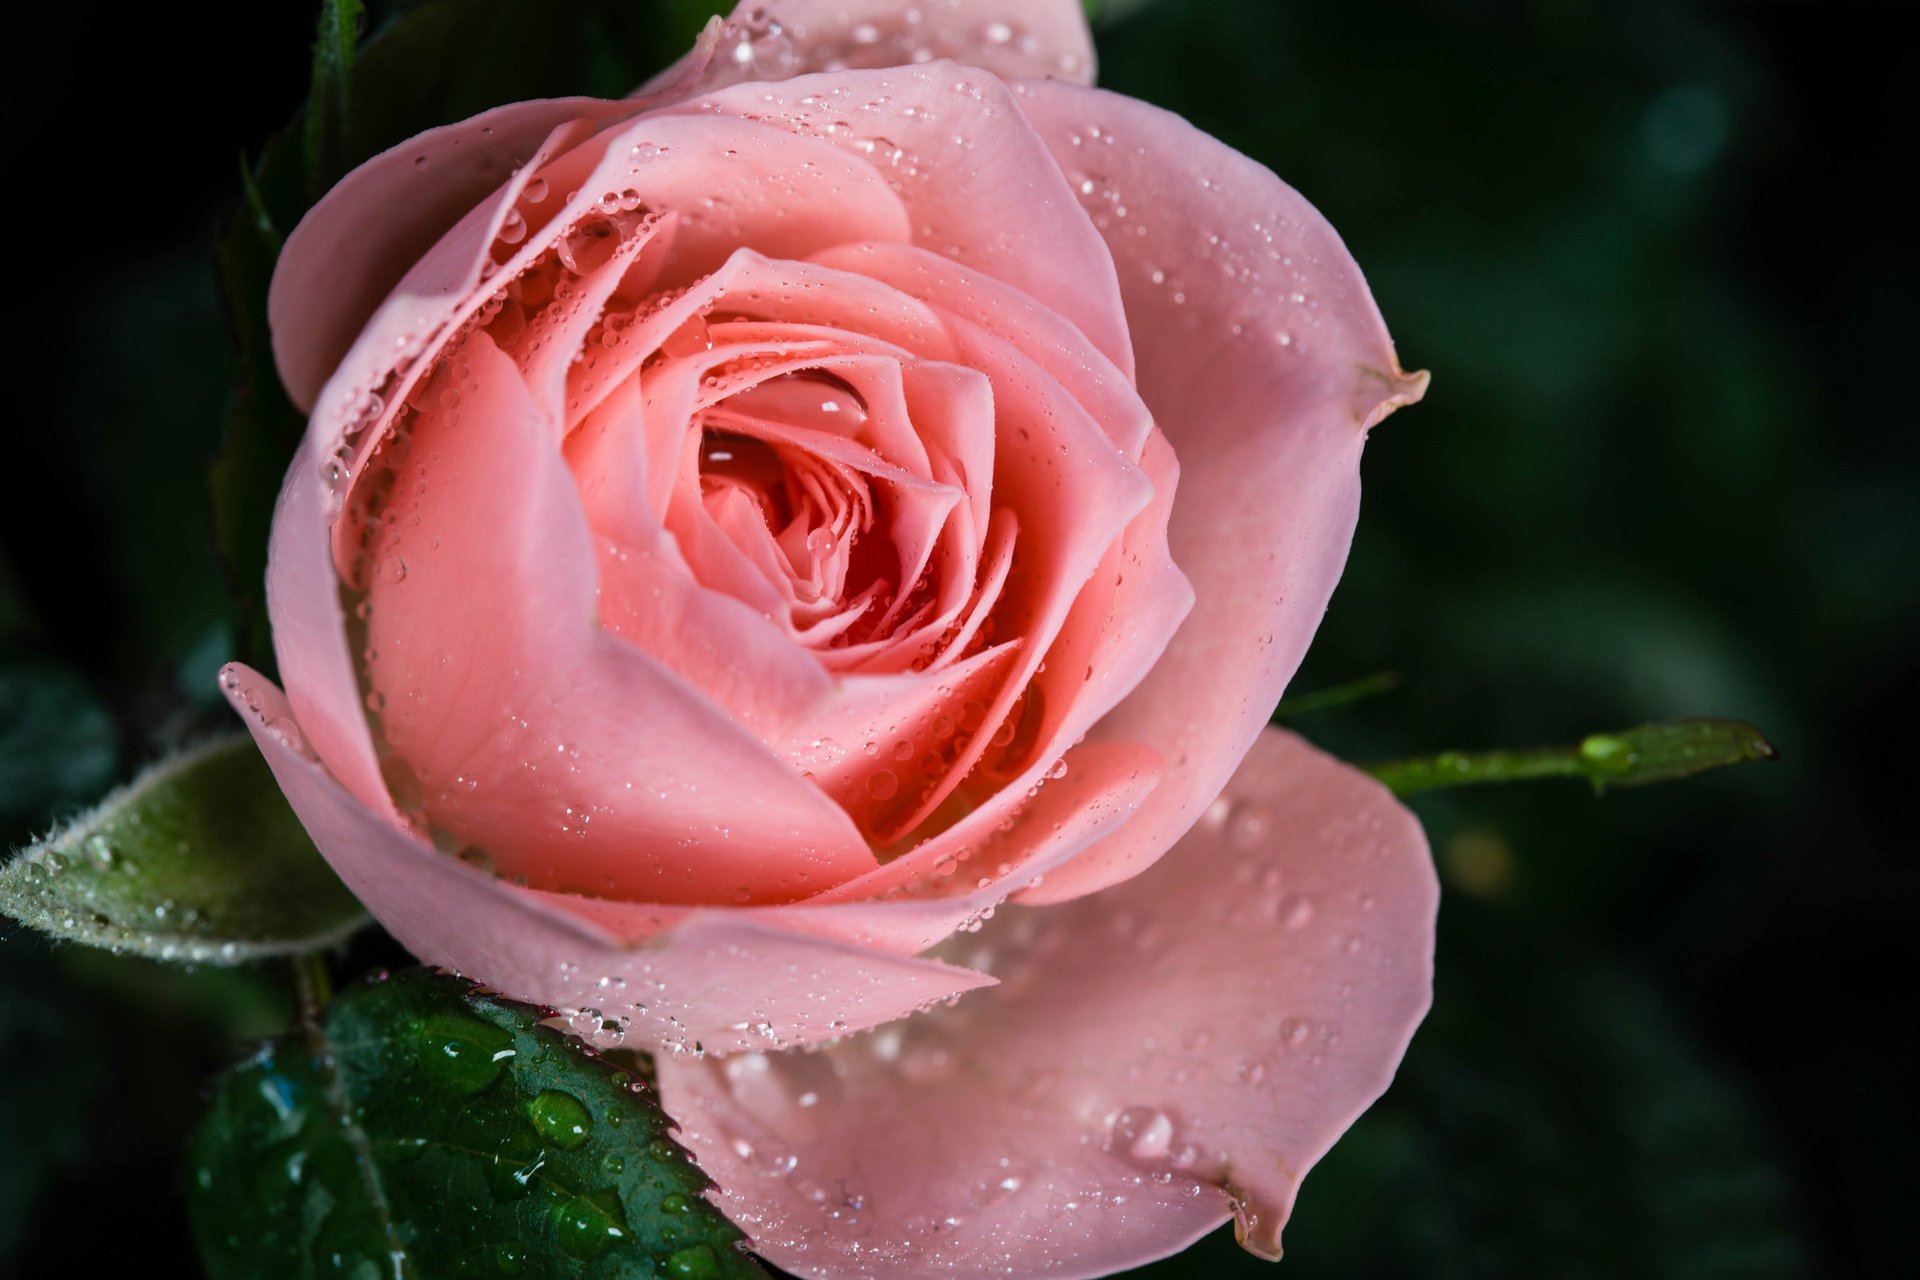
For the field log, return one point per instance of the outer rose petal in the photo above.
(1264, 362)
(1015, 39)
(717, 979)
(958, 152)
(1195, 1038)
(364, 235)
(350, 249)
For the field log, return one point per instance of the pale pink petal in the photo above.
(914, 902)
(1122, 620)
(553, 747)
(1188, 1042)
(376, 223)
(718, 980)
(1074, 494)
(789, 196)
(310, 635)
(734, 656)
(957, 151)
(1017, 39)
(354, 246)
(1102, 385)
(817, 305)
(1265, 362)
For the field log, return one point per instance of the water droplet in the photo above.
(516, 1162)
(560, 1119)
(393, 569)
(283, 728)
(462, 1054)
(508, 1259)
(1247, 825)
(1143, 1133)
(591, 1223)
(695, 1262)
(883, 785)
(535, 191)
(1002, 1188)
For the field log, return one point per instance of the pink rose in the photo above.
(749, 532)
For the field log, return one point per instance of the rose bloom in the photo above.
(749, 533)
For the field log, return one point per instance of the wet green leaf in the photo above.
(419, 1129)
(199, 859)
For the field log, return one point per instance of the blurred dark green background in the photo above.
(1653, 254)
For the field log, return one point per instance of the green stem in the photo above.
(1338, 695)
(312, 987)
(1630, 758)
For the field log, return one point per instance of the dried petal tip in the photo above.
(1257, 1230)
(1400, 387)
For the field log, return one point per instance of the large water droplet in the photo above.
(462, 1054)
(591, 1223)
(560, 1119)
(516, 1162)
(1143, 1133)
(695, 1262)
(766, 1155)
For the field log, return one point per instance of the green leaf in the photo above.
(420, 1129)
(330, 96)
(199, 860)
(1631, 758)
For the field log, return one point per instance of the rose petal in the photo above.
(351, 248)
(567, 755)
(1268, 362)
(310, 635)
(720, 980)
(1120, 626)
(1193, 1039)
(1017, 39)
(1102, 386)
(959, 154)
(913, 902)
